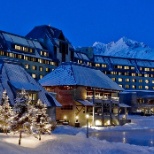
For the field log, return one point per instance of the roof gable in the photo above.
(74, 74)
(13, 77)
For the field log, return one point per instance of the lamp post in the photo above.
(87, 134)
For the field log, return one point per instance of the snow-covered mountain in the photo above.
(124, 47)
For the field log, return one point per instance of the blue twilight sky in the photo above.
(82, 21)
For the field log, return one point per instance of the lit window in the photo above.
(147, 69)
(127, 80)
(146, 75)
(133, 86)
(34, 76)
(140, 68)
(2, 53)
(80, 61)
(17, 47)
(41, 76)
(33, 96)
(126, 73)
(33, 67)
(113, 79)
(97, 65)
(45, 53)
(146, 87)
(25, 49)
(132, 68)
(41, 52)
(41, 61)
(11, 55)
(133, 74)
(126, 86)
(120, 79)
(146, 81)
(140, 80)
(120, 85)
(52, 63)
(126, 67)
(119, 73)
(104, 65)
(26, 58)
(140, 87)
(47, 69)
(33, 59)
(152, 81)
(119, 66)
(41, 68)
(152, 69)
(133, 80)
(20, 56)
(88, 63)
(46, 61)
(139, 74)
(30, 50)
(26, 66)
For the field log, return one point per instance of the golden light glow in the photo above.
(98, 123)
(77, 117)
(107, 123)
(65, 117)
(87, 116)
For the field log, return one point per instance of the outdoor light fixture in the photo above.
(65, 117)
(87, 117)
(77, 118)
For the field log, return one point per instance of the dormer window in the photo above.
(44, 53)
(17, 47)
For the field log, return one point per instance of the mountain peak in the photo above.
(124, 47)
(130, 43)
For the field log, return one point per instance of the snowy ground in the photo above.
(68, 140)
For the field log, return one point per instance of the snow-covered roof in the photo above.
(21, 40)
(24, 85)
(114, 61)
(145, 63)
(99, 59)
(81, 56)
(14, 77)
(75, 74)
(120, 61)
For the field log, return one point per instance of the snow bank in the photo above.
(69, 140)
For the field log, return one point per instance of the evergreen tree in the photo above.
(42, 121)
(6, 113)
(24, 115)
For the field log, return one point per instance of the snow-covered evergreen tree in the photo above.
(6, 113)
(42, 122)
(24, 114)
